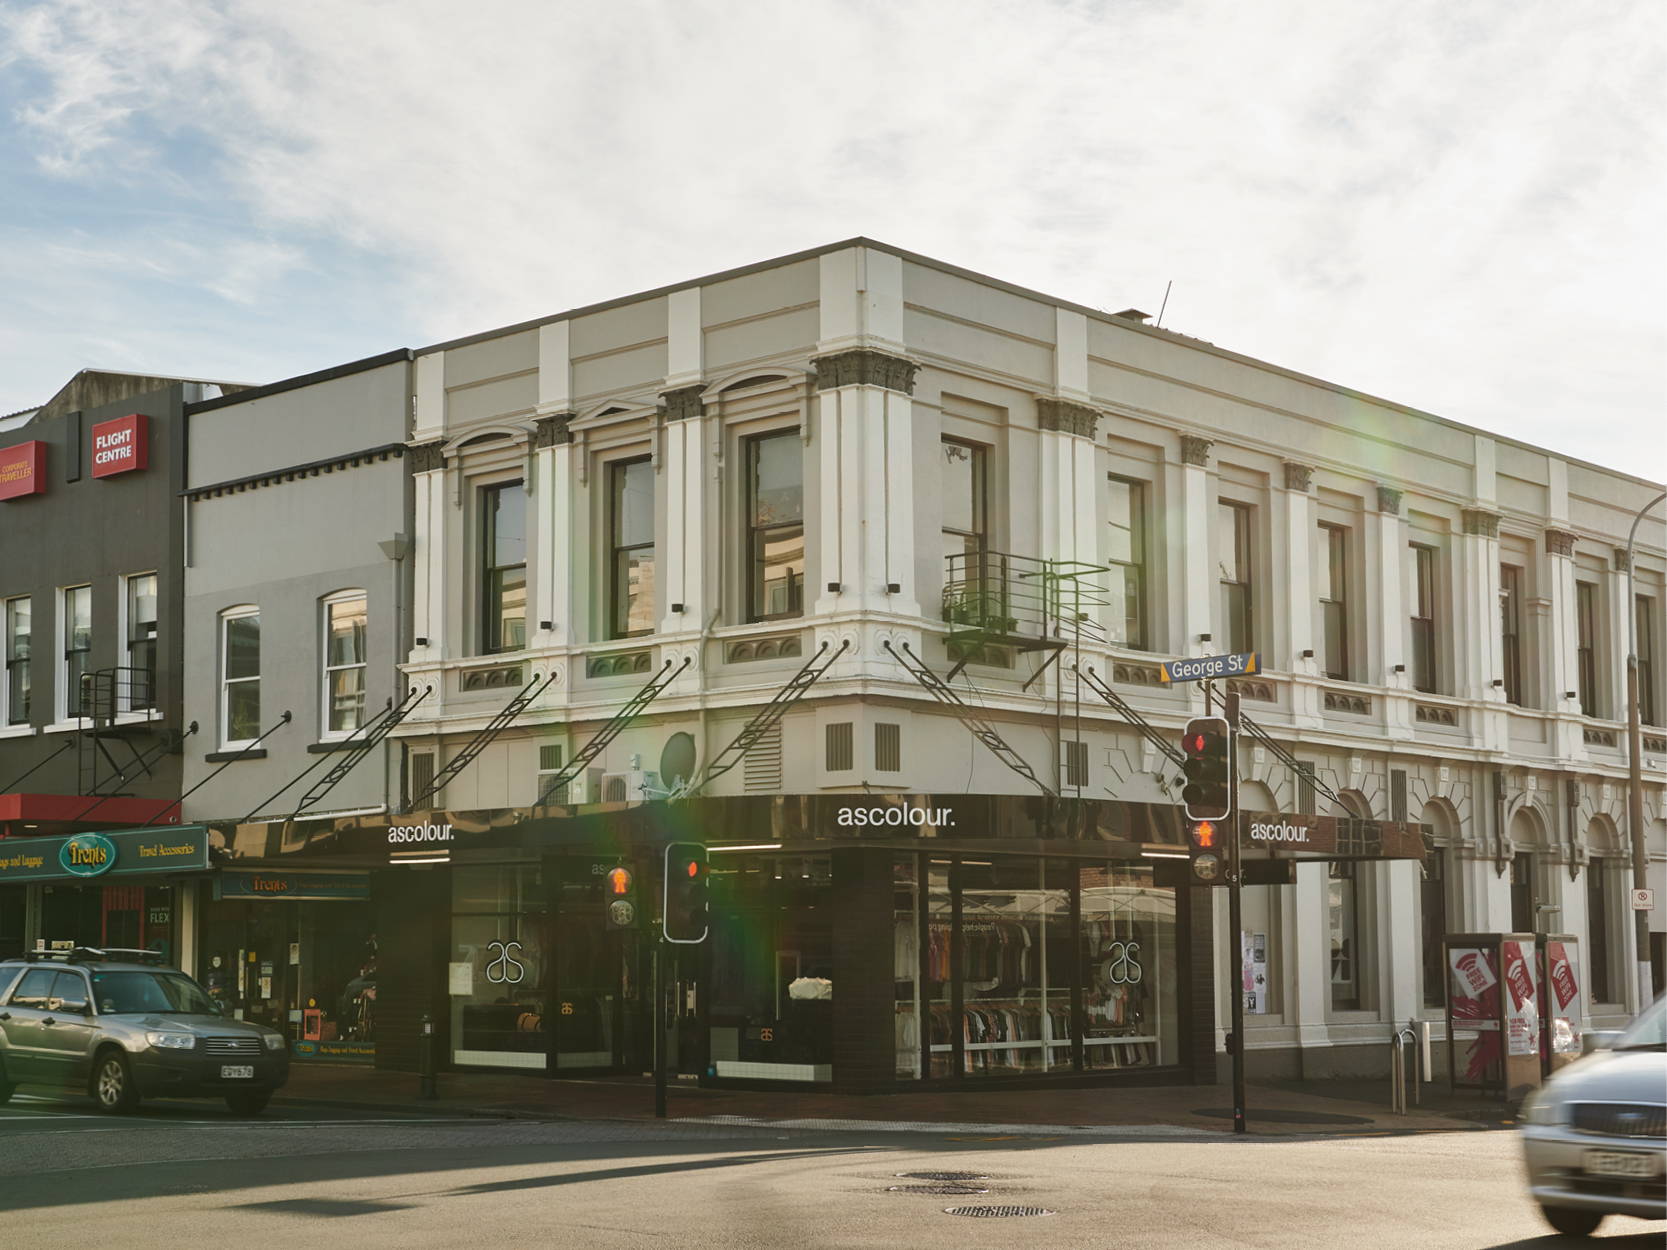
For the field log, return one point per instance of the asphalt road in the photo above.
(190, 1174)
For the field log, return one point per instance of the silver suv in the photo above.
(119, 1025)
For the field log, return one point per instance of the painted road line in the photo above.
(941, 1127)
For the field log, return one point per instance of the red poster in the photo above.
(1563, 982)
(1522, 1012)
(1517, 975)
(23, 470)
(121, 445)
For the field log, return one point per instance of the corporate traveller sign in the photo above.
(117, 852)
(121, 445)
(23, 470)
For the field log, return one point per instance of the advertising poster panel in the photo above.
(1522, 1009)
(1475, 1005)
(1562, 963)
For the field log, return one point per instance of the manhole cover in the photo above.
(1285, 1117)
(935, 1189)
(991, 1212)
(944, 1176)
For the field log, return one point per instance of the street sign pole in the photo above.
(1235, 909)
(658, 1024)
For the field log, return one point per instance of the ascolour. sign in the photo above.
(938, 817)
(1276, 831)
(120, 445)
(87, 855)
(426, 832)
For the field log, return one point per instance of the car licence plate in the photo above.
(1629, 1163)
(236, 1072)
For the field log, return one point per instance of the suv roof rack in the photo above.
(96, 954)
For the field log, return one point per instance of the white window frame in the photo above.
(7, 729)
(326, 670)
(228, 615)
(125, 708)
(66, 710)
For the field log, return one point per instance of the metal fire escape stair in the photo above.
(612, 729)
(484, 738)
(765, 718)
(1165, 747)
(981, 728)
(374, 733)
(101, 697)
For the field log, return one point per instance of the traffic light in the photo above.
(1208, 746)
(619, 897)
(1207, 851)
(685, 918)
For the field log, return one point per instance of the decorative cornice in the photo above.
(1620, 560)
(1297, 476)
(865, 367)
(349, 460)
(1559, 542)
(1389, 501)
(1066, 417)
(1195, 450)
(427, 457)
(683, 403)
(553, 430)
(1481, 521)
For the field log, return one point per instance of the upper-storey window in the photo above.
(1649, 711)
(1333, 579)
(345, 618)
(1233, 554)
(239, 676)
(1510, 631)
(139, 623)
(1126, 510)
(1423, 618)
(1586, 634)
(965, 528)
(78, 647)
(775, 526)
(17, 660)
(503, 563)
(631, 548)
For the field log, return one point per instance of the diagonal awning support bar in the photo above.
(499, 722)
(1286, 758)
(615, 725)
(1123, 708)
(981, 728)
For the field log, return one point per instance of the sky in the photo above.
(1454, 205)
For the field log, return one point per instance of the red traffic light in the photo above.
(1204, 834)
(1195, 744)
(619, 881)
(693, 869)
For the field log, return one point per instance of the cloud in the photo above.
(1453, 208)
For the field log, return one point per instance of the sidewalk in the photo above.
(1315, 1107)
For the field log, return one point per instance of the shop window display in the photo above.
(497, 975)
(1024, 966)
(771, 971)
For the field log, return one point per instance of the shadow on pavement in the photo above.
(1556, 1241)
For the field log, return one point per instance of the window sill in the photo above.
(333, 744)
(62, 727)
(17, 731)
(223, 757)
(138, 718)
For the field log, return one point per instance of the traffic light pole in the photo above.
(658, 1024)
(1235, 913)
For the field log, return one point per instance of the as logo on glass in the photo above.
(1120, 966)
(505, 969)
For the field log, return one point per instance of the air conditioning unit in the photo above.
(580, 790)
(629, 787)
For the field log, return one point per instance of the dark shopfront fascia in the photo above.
(971, 939)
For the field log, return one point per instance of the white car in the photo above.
(1595, 1135)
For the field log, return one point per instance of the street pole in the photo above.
(1635, 778)
(1235, 910)
(657, 1022)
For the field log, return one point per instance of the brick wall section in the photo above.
(1199, 1003)
(413, 931)
(863, 1059)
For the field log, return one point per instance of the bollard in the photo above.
(426, 1083)
(1398, 1069)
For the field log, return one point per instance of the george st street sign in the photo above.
(1203, 668)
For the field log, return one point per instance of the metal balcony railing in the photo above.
(1000, 599)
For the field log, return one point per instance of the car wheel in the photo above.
(7, 1089)
(1572, 1222)
(249, 1101)
(113, 1087)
